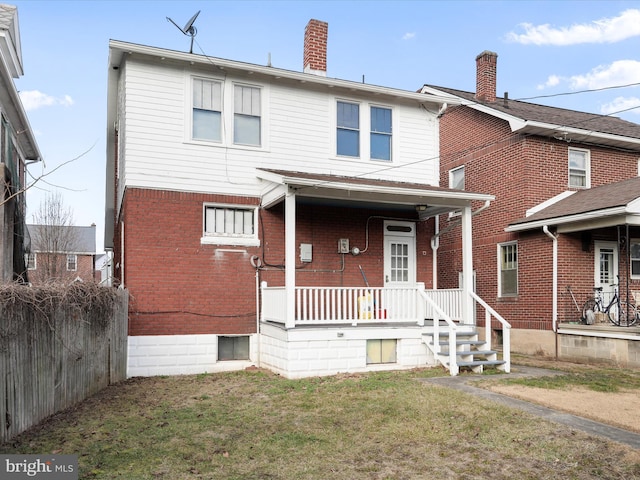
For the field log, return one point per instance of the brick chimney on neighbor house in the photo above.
(315, 47)
(486, 72)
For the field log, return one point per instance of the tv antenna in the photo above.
(188, 29)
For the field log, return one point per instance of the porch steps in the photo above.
(469, 350)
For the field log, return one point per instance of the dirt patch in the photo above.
(618, 409)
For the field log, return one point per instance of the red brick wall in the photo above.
(521, 171)
(84, 269)
(179, 286)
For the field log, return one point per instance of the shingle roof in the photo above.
(553, 115)
(604, 197)
(82, 240)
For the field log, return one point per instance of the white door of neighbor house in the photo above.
(399, 253)
(606, 267)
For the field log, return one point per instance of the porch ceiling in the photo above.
(334, 190)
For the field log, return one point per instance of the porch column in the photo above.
(467, 265)
(290, 258)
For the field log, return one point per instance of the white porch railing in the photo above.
(361, 306)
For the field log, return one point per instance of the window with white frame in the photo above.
(72, 263)
(207, 110)
(456, 178)
(579, 168)
(348, 121)
(230, 225)
(508, 269)
(635, 257)
(246, 115)
(30, 260)
(380, 133)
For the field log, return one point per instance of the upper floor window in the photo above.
(30, 260)
(72, 263)
(246, 115)
(348, 141)
(207, 110)
(230, 225)
(579, 168)
(380, 133)
(456, 178)
(508, 269)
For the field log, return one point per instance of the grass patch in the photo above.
(593, 378)
(256, 425)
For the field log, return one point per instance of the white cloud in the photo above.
(606, 30)
(621, 104)
(552, 81)
(34, 99)
(620, 72)
(409, 36)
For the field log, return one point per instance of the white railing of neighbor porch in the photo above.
(490, 313)
(449, 300)
(274, 304)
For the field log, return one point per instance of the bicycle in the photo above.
(619, 313)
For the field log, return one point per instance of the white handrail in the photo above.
(506, 330)
(438, 314)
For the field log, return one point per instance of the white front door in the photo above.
(399, 253)
(606, 267)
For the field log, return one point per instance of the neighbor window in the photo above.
(380, 133)
(72, 263)
(230, 225)
(579, 168)
(508, 264)
(233, 348)
(348, 121)
(30, 260)
(635, 258)
(456, 178)
(207, 110)
(246, 118)
(381, 351)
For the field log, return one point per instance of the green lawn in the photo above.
(256, 425)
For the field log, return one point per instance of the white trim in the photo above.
(597, 246)
(230, 239)
(549, 202)
(587, 167)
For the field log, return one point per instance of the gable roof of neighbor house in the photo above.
(83, 238)
(606, 205)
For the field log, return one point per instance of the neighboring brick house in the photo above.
(261, 216)
(560, 223)
(17, 148)
(61, 254)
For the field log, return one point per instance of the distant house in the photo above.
(262, 216)
(17, 149)
(61, 254)
(565, 219)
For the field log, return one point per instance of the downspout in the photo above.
(554, 281)
(435, 244)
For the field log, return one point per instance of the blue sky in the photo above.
(545, 50)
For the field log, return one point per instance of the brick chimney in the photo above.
(315, 47)
(486, 68)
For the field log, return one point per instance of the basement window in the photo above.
(233, 348)
(382, 351)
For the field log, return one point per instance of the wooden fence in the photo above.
(56, 350)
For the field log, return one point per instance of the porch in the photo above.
(348, 329)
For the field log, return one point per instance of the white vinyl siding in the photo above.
(298, 133)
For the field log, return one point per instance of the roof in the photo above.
(75, 239)
(614, 204)
(570, 125)
(342, 190)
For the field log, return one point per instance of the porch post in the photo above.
(290, 258)
(467, 266)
